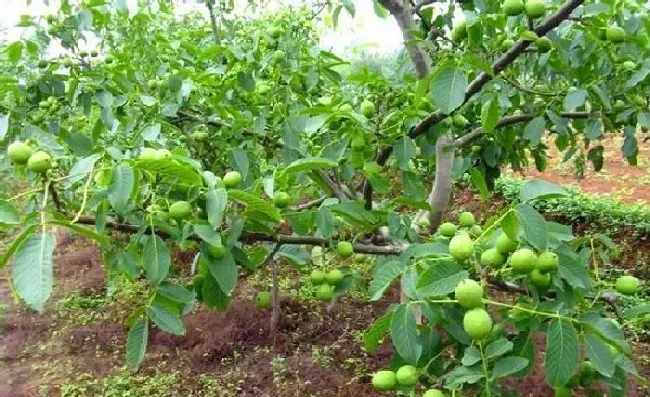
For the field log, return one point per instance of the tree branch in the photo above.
(514, 119)
(213, 22)
(477, 84)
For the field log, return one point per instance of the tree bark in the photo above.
(441, 190)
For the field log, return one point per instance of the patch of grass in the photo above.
(82, 310)
(124, 383)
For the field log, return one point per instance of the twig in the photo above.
(213, 22)
(310, 204)
(275, 315)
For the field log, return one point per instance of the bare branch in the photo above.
(213, 22)
(514, 119)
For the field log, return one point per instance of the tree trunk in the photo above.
(441, 190)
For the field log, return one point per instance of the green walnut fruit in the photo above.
(507, 44)
(278, 56)
(199, 136)
(109, 59)
(39, 162)
(447, 229)
(476, 148)
(358, 144)
(384, 380)
(324, 293)
(345, 249)
(639, 101)
(424, 222)
(539, 279)
(407, 375)
(147, 154)
(459, 121)
(368, 109)
(475, 231)
(180, 210)
(505, 245)
(67, 62)
(587, 374)
(459, 32)
(477, 323)
(615, 34)
(281, 199)
(629, 65)
(152, 84)
(535, 8)
(627, 285)
(83, 54)
(513, 8)
(94, 54)
(50, 18)
(466, 219)
(217, 251)
(42, 64)
(334, 277)
(523, 260)
(469, 294)
(461, 247)
(544, 44)
(619, 105)
(359, 258)
(162, 154)
(19, 152)
(433, 393)
(275, 31)
(317, 277)
(547, 262)
(232, 179)
(493, 258)
(263, 300)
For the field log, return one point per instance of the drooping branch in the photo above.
(213, 22)
(514, 119)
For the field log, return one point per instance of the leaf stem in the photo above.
(527, 310)
(485, 369)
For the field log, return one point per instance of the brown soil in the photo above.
(617, 178)
(317, 351)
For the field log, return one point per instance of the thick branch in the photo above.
(514, 119)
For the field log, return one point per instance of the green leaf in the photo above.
(508, 366)
(256, 204)
(498, 348)
(172, 170)
(572, 269)
(240, 161)
(166, 317)
(640, 310)
(479, 183)
(464, 374)
(14, 51)
(404, 333)
(213, 296)
(471, 356)
(380, 11)
(378, 330)
(224, 271)
(155, 258)
(534, 130)
(217, 199)
(404, 151)
(207, 234)
(538, 189)
(309, 164)
(489, 115)
(32, 269)
(15, 245)
(136, 342)
(8, 215)
(510, 225)
(121, 187)
(574, 99)
(81, 169)
(447, 88)
(441, 278)
(175, 292)
(599, 354)
(524, 347)
(383, 276)
(534, 226)
(562, 352)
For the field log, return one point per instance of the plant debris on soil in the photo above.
(317, 352)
